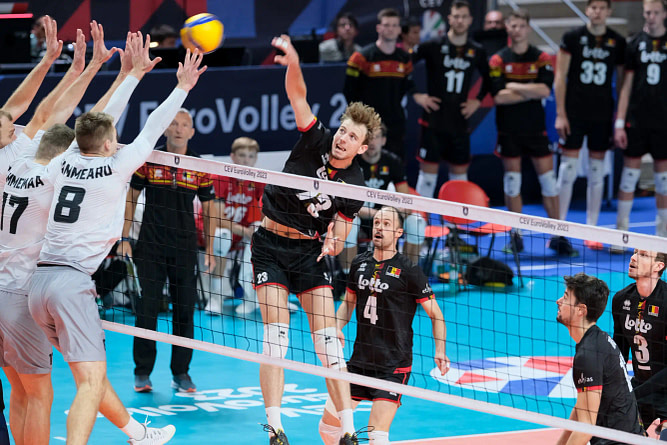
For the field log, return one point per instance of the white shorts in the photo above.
(62, 302)
(23, 345)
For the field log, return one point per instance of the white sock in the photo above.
(273, 417)
(379, 437)
(661, 223)
(458, 176)
(426, 183)
(346, 417)
(134, 429)
(567, 175)
(623, 214)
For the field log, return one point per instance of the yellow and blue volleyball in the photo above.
(203, 31)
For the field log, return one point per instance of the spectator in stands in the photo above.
(37, 38)
(494, 20)
(642, 112)
(163, 36)
(167, 248)
(521, 76)
(451, 63)
(380, 75)
(341, 47)
(411, 29)
(586, 62)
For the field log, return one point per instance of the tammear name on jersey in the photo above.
(85, 173)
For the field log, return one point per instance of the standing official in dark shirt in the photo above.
(604, 393)
(585, 67)
(386, 288)
(640, 326)
(167, 248)
(451, 63)
(641, 120)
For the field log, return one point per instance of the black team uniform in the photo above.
(646, 121)
(167, 248)
(521, 126)
(640, 326)
(450, 71)
(381, 80)
(388, 293)
(291, 263)
(589, 100)
(599, 365)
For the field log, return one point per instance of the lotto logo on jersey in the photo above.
(374, 284)
(639, 325)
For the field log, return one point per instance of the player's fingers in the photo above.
(201, 70)
(154, 62)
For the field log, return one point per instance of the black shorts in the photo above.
(288, 263)
(442, 145)
(599, 135)
(646, 140)
(400, 375)
(652, 406)
(517, 145)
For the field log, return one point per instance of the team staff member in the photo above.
(586, 62)
(521, 76)
(641, 121)
(451, 62)
(604, 395)
(167, 248)
(286, 250)
(640, 326)
(387, 288)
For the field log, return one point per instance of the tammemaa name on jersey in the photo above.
(23, 183)
(388, 293)
(647, 58)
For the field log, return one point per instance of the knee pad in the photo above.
(276, 340)
(512, 184)
(328, 348)
(353, 236)
(660, 183)
(222, 242)
(330, 434)
(458, 176)
(378, 437)
(415, 226)
(567, 172)
(596, 172)
(629, 179)
(548, 183)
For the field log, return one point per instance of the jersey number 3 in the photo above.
(68, 207)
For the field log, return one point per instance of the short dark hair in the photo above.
(590, 291)
(409, 22)
(387, 12)
(54, 141)
(161, 32)
(519, 14)
(345, 15)
(661, 257)
(460, 4)
(608, 2)
(92, 129)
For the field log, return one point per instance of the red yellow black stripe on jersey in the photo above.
(380, 68)
(590, 388)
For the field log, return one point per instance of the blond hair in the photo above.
(54, 141)
(362, 114)
(92, 129)
(244, 142)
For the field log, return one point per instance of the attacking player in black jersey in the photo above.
(640, 326)
(585, 67)
(286, 249)
(641, 120)
(604, 393)
(387, 288)
(451, 62)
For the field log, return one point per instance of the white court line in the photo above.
(466, 436)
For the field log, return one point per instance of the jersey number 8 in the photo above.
(68, 207)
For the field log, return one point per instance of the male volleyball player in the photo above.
(387, 288)
(521, 76)
(604, 393)
(586, 62)
(285, 248)
(85, 220)
(641, 119)
(640, 326)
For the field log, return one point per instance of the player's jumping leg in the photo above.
(39, 394)
(18, 405)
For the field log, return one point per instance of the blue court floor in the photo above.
(505, 347)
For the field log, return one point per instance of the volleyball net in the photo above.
(509, 356)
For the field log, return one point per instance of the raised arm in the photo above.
(560, 89)
(295, 85)
(439, 333)
(20, 100)
(125, 248)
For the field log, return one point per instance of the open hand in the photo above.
(100, 52)
(284, 44)
(79, 59)
(329, 246)
(53, 45)
(188, 72)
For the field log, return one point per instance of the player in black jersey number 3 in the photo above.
(387, 288)
(604, 393)
(286, 249)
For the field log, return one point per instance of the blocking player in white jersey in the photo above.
(85, 220)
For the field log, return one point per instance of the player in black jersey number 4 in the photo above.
(640, 326)
(387, 288)
(604, 393)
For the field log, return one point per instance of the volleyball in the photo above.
(203, 31)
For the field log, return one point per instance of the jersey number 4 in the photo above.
(68, 207)
(19, 203)
(371, 309)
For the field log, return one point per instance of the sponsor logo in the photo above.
(583, 379)
(456, 63)
(427, 290)
(595, 53)
(652, 57)
(638, 324)
(373, 284)
(583, 40)
(626, 305)
(362, 266)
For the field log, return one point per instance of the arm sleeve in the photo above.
(566, 44)
(121, 97)
(587, 371)
(483, 68)
(348, 208)
(621, 49)
(630, 59)
(352, 277)
(545, 74)
(496, 75)
(311, 138)
(206, 192)
(353, 74)
(418, 287)
(133, 155)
